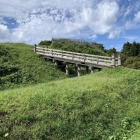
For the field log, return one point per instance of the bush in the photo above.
(78, 47)
(20, 65)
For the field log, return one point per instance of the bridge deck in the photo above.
(78, 58)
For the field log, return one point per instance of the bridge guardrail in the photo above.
(81, 57)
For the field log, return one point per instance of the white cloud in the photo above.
(60, 18)
(17, 8)
(102, 20)
(38, 20)
(3, 27)
(137, 17)
(115, 33)
(131, 38)
(5, 35)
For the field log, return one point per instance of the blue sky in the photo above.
(110, 22)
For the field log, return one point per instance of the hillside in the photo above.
(68, 45)
(100, 106)
(20, 65)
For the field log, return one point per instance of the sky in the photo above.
(109, 22)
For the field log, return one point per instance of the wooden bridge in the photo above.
(79, 59)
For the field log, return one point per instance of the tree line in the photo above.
(130, 52)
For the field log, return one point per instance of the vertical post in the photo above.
(84, 57)
(113, 60)
(72, 56)
(62, 53)
(78, 70)
(67, 70)
(46, 47)
(35, 48)
(91, 69)
(55, 64)
(119, 60)
(97, 60)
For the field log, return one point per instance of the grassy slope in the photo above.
(20, 65)
(74, 47)
(104, 105)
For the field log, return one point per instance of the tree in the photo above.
(111, 51)
(131, 55)
(45, 42)
(99, 46)
(131, 49)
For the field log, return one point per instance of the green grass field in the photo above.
(19, 66)
(100, 106)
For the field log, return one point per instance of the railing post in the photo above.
(119, 60)
(72, 56)
(113, 60)
(97, 60)
(67, 70)
(62, 53)
(35, 48)
(46, 47)
(84, 57)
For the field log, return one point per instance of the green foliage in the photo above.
(111, 51)
(89, 48)
(20, 65)
(131, 49)
(45, 42)
(100, 106)
(131, 55)
(132, 62)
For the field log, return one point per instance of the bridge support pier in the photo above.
(78, 70)
(55, 64)
(91, 69)
(67, 69)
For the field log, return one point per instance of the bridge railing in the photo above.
(80, 57)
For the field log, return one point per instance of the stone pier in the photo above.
(55, 64)
(78, 70)
(91, 69)
(67, 69)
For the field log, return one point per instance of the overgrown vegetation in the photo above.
(100, 106)
(131, 55)
(20, 65)
(76, 46)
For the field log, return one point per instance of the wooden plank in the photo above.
(68, 52)
(79, 57)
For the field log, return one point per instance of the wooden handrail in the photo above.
(68, 52)
(79, 57)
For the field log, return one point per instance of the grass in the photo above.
(100, 106)
(20, 65)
